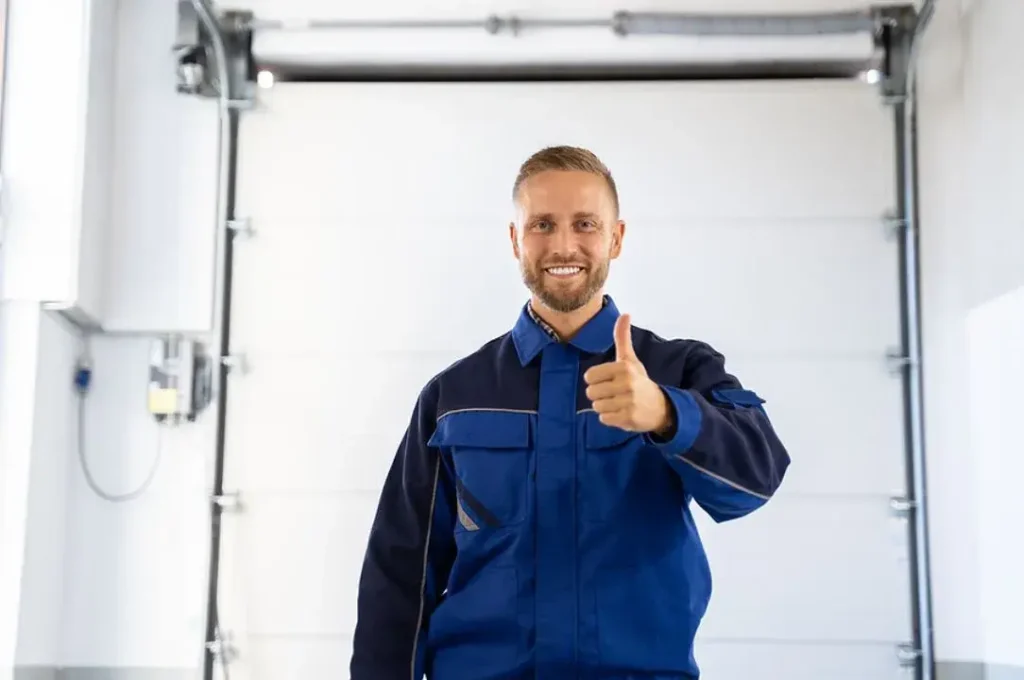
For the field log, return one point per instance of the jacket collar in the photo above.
(596, 337)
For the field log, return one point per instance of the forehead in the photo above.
(565, 192)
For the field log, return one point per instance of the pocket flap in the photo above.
(601, 436)
(737, 397)
(483, 428)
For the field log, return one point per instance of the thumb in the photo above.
(623, 339)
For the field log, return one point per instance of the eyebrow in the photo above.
(576, 216)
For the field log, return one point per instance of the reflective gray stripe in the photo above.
(465, 520)
(484, 410)
(423, 580)
(722, 479)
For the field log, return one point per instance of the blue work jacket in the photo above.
(518, 537)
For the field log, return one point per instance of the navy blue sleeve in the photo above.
(723, 446)
(408, 557)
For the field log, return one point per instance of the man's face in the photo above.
(566, 234)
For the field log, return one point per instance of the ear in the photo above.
(513, 236)
(618, 232)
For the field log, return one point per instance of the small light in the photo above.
(871, 76)
(265, 79)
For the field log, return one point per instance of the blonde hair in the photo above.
(570, 158)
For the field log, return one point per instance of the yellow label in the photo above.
(163, 401)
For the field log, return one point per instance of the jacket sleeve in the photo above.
(408, 557)
(723, 445)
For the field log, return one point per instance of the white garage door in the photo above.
(381, 255)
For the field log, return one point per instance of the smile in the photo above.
(563, 271)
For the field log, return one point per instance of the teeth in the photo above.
(564, 271)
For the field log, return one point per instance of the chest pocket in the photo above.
(490, 451)
(624, 481)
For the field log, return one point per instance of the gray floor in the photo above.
(944, 671)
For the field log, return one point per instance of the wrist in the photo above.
(666, 426)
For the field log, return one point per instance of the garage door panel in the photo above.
(832, 287)
(709, 158)
(807, 661)
(328, 656)
(287, 657)
(381, 255)
(303, 556)
(433, 288)
(841, 420)
(809, 569)
(335, 426)
(301, 568)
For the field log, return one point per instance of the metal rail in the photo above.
(215, 650)
(910, 267)
(621, 23)
(499, 72)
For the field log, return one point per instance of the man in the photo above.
(536, 521)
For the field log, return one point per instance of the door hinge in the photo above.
(222, 648)
(241, 226)
(902, 506)
(229, 502)
(893, 225)
(897, 361)
(236, 362)
(245, 104)
(908, 655)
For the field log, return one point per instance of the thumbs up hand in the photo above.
(622, 393)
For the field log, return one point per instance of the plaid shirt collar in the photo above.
(544, 325)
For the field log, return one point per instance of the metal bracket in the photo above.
(223, 648)
(241, 226)
(247, 103)
(908, 655)
(897, 361)
(902, 506)
(893, 225)
(235, 362)
(894, 32)
(196, 59)
(229, 502)
(193, 54)
(894, 99)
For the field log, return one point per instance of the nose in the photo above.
(564, 242)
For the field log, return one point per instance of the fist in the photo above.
(622, 394)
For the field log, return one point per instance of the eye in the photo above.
(542, 225)
(586, 225)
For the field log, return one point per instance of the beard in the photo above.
(564, 296)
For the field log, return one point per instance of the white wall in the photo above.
(19, 349)
(57, 133)
(84, 582)
(134, 577)
(137, 571)
(972, 165)
(42, 604)
(161, 254)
